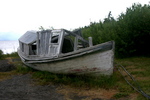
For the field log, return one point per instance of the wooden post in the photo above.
(49, 45)
(90, 42)
(75, 43)
(60, 41)
(37, 43)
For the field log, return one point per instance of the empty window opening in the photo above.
(32, 49)
(54, 39)
(22, 45)
(67, 46)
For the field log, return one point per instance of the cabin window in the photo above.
(55, 37)
(67, 46)
(54, 40)
(33, 49)
(22, 47)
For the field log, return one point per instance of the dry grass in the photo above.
(6, 75)
(87, 93)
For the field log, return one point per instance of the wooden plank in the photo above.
(60, 41)
(26, 49)
(79, 37)
(49, 46)
(47, 41)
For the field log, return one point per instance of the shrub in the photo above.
(1, 54)
(130, 31)
(134, 31)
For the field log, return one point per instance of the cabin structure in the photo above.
(51, 43)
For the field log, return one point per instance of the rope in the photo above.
(137, 87)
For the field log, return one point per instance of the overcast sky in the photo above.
(18, 16)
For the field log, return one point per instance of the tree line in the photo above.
(130, 31)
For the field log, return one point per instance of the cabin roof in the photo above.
(29, 37)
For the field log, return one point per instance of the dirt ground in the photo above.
(22, 87)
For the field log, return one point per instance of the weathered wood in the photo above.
(53, 47)
(47, 42)
(79, 37)
(90, 41)
(100, 47)
(37, 42)
(60, 42)
(75, 43)
(26, 49)
(92, 64)
(29, 37)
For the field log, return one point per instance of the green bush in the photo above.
(130, 31)
(13, 54)
(1, 54)
(134, 31)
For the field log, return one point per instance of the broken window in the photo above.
(33, 49)
(67, 45)
(22, 47)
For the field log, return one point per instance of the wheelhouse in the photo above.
(51, 43)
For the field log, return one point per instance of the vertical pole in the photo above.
(37, 43)
(49, 45)
(75, 43)
(90, 42)
(60, 41)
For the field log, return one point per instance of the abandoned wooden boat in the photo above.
(65, 52)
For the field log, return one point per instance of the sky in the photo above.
(19, 16)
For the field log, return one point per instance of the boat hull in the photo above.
(96, 62)
(91, 64)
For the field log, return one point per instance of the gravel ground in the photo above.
(21, 87)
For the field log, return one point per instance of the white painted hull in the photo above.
(90, 63)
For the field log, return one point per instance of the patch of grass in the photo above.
(76, 80)
(120, 95)
(21, 68)
(139, 67)
(124, 87)
(141, 97)
(139, 73)
(6, 75)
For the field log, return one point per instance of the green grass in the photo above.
(75, 80)
(120, 95)
(139, 68)
(22, 69)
